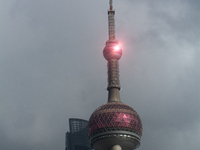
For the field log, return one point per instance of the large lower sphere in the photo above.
(115, 123)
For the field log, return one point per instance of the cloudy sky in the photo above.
(52, 69)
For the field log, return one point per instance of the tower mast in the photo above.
(114, 125)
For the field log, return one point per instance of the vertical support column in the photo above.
(116, 147)
(113, 81)
(113, 74)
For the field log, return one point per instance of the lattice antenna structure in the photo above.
(111, 22)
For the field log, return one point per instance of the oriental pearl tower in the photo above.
(114, 125)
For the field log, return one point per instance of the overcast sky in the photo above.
(52, 69)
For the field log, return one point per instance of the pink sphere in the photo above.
(112, 50)
(115, 116)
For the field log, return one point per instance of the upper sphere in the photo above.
(110, 51)
(115, 116)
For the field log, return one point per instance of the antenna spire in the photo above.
(111, 22)
(111, 7)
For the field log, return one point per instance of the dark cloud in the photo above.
(52, 69)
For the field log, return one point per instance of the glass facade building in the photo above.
(77, 137)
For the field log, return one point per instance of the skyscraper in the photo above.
(77, 138)
(114, 125)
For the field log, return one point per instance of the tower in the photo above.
(114, 125)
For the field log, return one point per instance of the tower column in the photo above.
(113, 81)
(116, 147)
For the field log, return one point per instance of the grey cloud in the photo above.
(52, 68)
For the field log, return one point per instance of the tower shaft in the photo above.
(113, 81)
